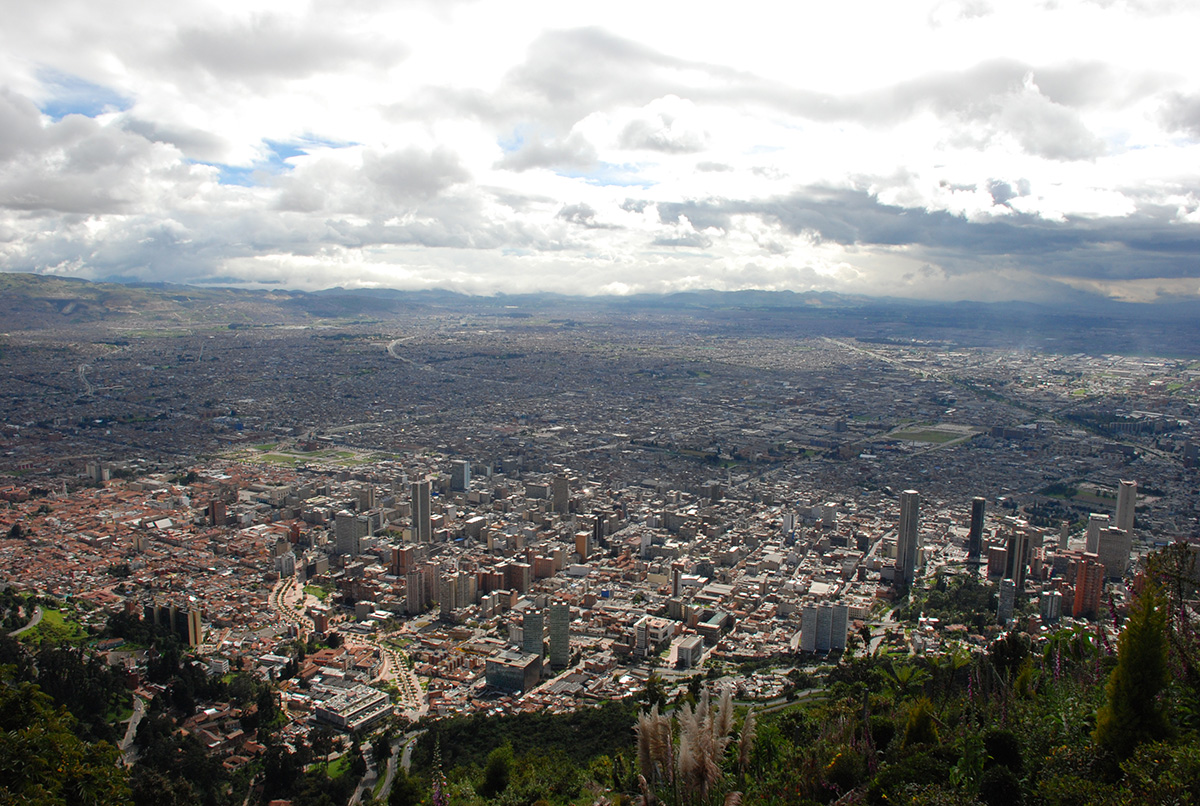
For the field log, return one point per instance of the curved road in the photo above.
(33, 622)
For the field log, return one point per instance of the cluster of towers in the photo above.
(1105, 555)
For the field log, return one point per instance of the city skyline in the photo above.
(945, 150)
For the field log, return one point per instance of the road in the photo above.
(33, 622)
(126, 743)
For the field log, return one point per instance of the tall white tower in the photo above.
(1126, 504)
(906, 538)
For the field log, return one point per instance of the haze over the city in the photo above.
(943, 150)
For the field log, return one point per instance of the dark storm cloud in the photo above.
(1148, 244)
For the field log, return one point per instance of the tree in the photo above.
(498, 772)
(405, 790)
(1133, 713)
(42, 759)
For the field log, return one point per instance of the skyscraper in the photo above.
(906, 538)
(1089, 586)
(422, 527)
(1018, 549)
(1114, 548)
(460, 475)
(533, 629)
(562, 494)
(975, 537)
(560, 635)
(1096, 523)
(1126, 504)
(1006, 601)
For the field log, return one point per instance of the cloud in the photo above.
(1181, 113)
(979, 150)
(665, 125)
(573, 151)
(582, 215)
(268, 48)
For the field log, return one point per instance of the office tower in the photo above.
(1051, 602)
(347, 530)
(216, 513)
(1115, 545)
(1089, 585)
(531, 638)
(560, 635)
(906, 539)
(1126, 504)
(808, 629)
(1018, 550)
(1191, 454)
(460, 475)
(1007, 601)
(447, 595)
(975, 538)
(562, 494)
(366, 497)
(824, 627)
(1064, 533)
(422, 512)
(839, 627)
(676, 579)
(1096, 522)
(415, 593)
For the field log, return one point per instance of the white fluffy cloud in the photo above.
(965, 149)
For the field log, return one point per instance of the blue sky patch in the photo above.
(609, 174)
(71, 95)
(278, 153)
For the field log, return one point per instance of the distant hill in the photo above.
(37, 302)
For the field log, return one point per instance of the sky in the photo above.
(963, 149)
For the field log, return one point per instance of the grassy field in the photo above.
(927, 435)
(56, 628)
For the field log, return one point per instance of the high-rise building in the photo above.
(1089, 586)
(533, 631)
(1126, 504)
(560, 635)
(808, 629)
(1051, 602)
(561, 494)
(824, 627)
(1018, 552)
(447, 595)
(349, 529)
(839, 627)
(1096, 522)
(906, 538)
(975, 537)
(460, 475)
(415, 593)
(422, 512)
(1115, 545)
(1007, 601)
(194, 628)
